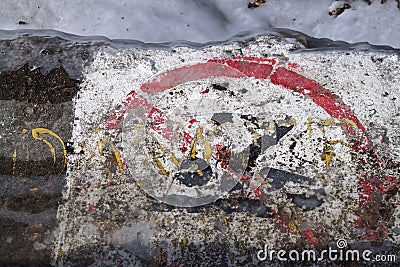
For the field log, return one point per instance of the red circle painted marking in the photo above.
(252, 67)
(259, 68)
(175, 77)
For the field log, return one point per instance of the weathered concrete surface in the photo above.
(206, 156)
(159, 133)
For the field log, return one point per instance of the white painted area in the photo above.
(203, 21)
(369, 85)
(113, 75)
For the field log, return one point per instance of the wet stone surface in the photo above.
(36, 117)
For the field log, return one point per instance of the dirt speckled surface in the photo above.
(36, 115)
(196, 156)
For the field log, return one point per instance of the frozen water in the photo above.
(205, 20)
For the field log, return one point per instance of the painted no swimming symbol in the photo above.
(190, 135)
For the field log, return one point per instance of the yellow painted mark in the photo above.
(60, 253)
(14, 159)
(255, 138)
(199, 172)
(293, 122)
(175, 160)
(24, 131)
(338, 121)
(287, 123)
(328, 154)
(272, 126)
(352, 123)
(193, 148)
(330, 122)
(117, 156)
(293, 225)
(158, 163)
(328, 151)
(101, 145)
(207, 151)
(184, 243)
(37, 131)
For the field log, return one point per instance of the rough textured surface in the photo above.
(196, 156)
(322, 133)
(36, 114)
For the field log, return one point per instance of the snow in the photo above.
(205, 20)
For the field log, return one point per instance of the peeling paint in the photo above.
(242, 99)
